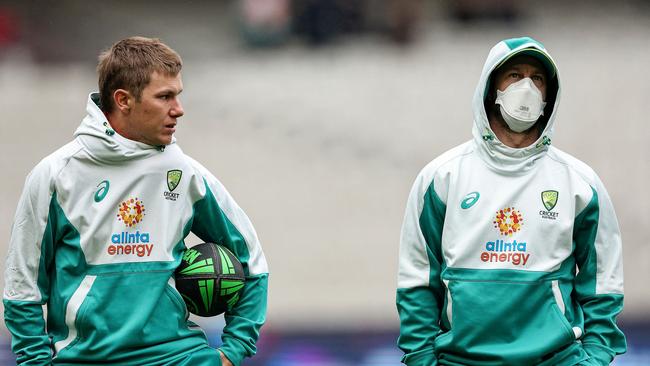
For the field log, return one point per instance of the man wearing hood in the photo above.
(510, 252)
(100, 229)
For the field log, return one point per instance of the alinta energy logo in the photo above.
(507, 221)
(131, 212)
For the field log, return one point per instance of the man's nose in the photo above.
(177, 110)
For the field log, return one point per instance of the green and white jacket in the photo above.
(98, 233)
(509, 256)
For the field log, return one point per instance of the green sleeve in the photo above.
(419, 304)
(418, 325)
(29, 340)
(595, 235)
(27, 283)
(244, 321)
(233, 230)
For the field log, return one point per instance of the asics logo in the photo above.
(469, 200)
(102, 191)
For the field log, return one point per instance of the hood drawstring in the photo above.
(488, 136)
(109, 131)
(545, 141)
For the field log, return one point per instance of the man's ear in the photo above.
(123, 100)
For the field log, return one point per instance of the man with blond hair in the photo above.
(121, 307)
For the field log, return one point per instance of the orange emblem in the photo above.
(131, 211)
(508, 221)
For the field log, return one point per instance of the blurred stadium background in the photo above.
(318, 114)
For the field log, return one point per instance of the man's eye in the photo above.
(515, 75)
(537, 78)
(164, 97)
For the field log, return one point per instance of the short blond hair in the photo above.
(129, 64)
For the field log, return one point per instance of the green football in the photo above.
(210, 279)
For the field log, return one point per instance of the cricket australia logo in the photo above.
(173, 179)
(549, 200)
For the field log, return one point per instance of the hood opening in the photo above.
(497, 155)
(551, 96)
(489, 99)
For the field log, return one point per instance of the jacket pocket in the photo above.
(74, 314)
(176, 297)
(502, 323)
(129, 316)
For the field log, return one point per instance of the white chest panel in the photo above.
(504, 222)
(131, 213)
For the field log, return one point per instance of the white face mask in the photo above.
(521, 104)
